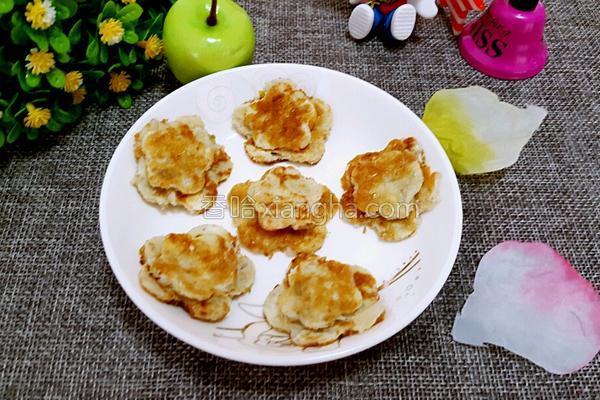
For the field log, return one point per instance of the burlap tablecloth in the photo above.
(68, 330)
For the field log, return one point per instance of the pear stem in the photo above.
(212, 17)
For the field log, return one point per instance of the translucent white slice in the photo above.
(479, 132)
(530, 300)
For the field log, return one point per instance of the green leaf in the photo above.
(157, 24)
(75, 33)
(129, 26)
(54, 126)
(64, 116)
(148, 27)
(103, 53)
(38, 37)
(8, 118)
(101, 97)
(62, 12)
(123, 57)
(59, 41)
(114, 66)
(152, 12)
(93, 75)
(32, 80)
(63, 58)
(139, 68)
(93, 51)
(129, 13)
(125, 100)
(2, 138)
(40, 99)
(32, 134)
(14, 133)
(75, 111)
(137, 84)
(6, 6)
(64, 8)
(21, 111)
(132, 56)
(14, 69)
(16, 20)
(109, 10)
(12, 102)
(130, 37)
(56, 78)
(22, 81)
(18, 35)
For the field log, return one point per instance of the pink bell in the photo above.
(507, 42)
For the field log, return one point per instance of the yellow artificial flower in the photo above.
(119, 82)
(40, 14)
(153, 47)
(36, 117)
(73, 80)
(111, 31)
(79, 95)
(39, 62)
(127, 1)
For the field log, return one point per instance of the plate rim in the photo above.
(316, 358)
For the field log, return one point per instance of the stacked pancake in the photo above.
(283, 211)
(322, 300)
(201, 270)
(389, 189)
(284, 123)
(179, 164)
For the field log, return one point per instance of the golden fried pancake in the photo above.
(284, 123)
(200, 270)
(282, 118)
(387, 229)
(317, 292)
(179, 164)
(259, 240)
(388, 190)
(320, 301)
(287, 240)
(149, 283)
(428, 195)
(381, 190)
(196, 266)
(177, 158)
(214, 309)
(284, 198)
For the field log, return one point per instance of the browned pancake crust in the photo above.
(377, 164)
(252, 236)
(279, 115)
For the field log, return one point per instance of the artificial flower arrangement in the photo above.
(57, 55)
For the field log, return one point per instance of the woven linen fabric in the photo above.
(67, 329)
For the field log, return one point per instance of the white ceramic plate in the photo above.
(365, 119)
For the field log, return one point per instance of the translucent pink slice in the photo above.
(528, 299)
